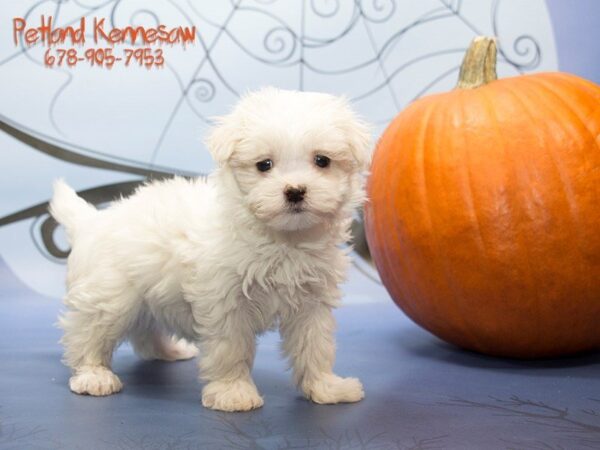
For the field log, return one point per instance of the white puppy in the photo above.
(212, 263)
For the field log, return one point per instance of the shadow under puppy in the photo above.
(211, 263)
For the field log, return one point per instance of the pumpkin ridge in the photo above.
(519, 98)
(585, 87)
(469, 174)
(428, 132)
(529, 278)
(420, 109)
(529, 110)
(457, 290)
(568, 106)
(569, 195)
(460, 292)
(572, 80)
(506, 157)
(479, 340)
(426, 114)
(524, 98)
(423, 137)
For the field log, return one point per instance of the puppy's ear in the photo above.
(357, 133)
(222, 139)
(361, 145)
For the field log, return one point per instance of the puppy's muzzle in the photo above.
(294, 194)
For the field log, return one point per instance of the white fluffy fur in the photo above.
(216, 262)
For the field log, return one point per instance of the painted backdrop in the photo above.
(106, 130)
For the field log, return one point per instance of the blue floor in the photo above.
(420, 394)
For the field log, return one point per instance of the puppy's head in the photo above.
(298, 158)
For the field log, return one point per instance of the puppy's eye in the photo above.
(322, 161)
(264, 165)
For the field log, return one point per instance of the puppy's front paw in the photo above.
(95, 380)
(238, 395)
(330, 388)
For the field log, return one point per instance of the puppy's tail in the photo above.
(68, 208)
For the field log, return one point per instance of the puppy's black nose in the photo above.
(295, 194)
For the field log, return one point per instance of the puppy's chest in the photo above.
(283, 276)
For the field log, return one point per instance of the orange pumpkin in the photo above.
(484, 211)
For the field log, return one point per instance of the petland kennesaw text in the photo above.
(77, 35)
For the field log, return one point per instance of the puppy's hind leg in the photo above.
(150, 341)
(91, 333)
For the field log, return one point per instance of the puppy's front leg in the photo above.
(309, 343)
(226, 362)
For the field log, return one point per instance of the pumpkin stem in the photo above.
(479, 65)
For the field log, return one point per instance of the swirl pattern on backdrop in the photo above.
(382, 54)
